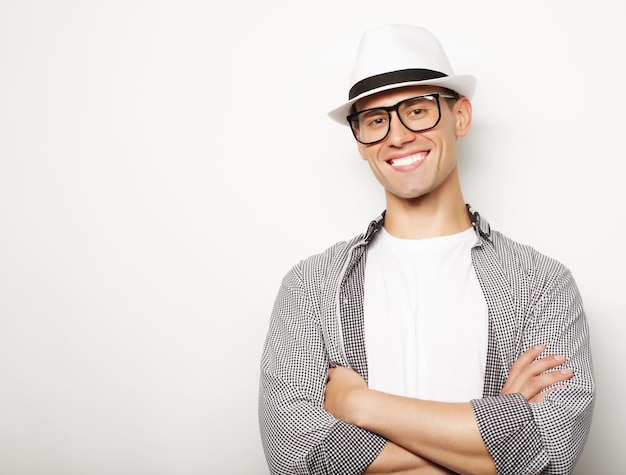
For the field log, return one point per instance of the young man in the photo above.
(430, 344)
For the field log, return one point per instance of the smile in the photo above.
(409, 160)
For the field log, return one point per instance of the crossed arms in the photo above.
(428, 437)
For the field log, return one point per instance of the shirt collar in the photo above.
(480, 224)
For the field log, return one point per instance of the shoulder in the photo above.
(316, 278)
(331, 260)
(510, 250)
(518, 259)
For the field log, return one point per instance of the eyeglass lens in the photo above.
(416, 114)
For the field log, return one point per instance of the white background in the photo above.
(163, 164)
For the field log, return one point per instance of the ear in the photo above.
(463, 114)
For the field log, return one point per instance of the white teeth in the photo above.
(411, 159)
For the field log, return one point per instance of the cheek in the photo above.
(362, 151)
(447, 140)
(368, 152)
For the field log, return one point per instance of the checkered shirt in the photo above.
(317, 323)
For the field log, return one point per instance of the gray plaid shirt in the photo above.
(317, 322)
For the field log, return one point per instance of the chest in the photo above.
(425, 319)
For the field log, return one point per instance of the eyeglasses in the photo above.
(417, 114)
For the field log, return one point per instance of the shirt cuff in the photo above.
(511, 434)
(347, 449)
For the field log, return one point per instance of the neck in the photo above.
(427, 216)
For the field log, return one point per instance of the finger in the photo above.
(528, 357)
(552, 377)
(545, 364)
(540, 383)
(523, 369)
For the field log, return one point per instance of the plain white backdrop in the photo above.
(163, 163)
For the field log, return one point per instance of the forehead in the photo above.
(393, 96)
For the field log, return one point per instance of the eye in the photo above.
(373, 118)
(376, 120)
(418, 108)
(416, 112)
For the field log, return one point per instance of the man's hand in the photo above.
(531, 376)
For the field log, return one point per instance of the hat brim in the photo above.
(461, 84)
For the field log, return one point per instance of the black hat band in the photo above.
(393, 77)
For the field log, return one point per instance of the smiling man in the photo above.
(430, 344)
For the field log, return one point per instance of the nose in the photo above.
(398, 133)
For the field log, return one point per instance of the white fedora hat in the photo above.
(393, 56)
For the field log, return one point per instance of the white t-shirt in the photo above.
(425, 317)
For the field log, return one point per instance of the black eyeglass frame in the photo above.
(394, 108)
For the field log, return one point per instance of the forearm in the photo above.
(444, 433)
(396, 460)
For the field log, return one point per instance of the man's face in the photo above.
(410, 164)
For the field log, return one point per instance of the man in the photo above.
(430, 344)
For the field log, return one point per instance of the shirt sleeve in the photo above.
(298, 435)
(547, 437)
